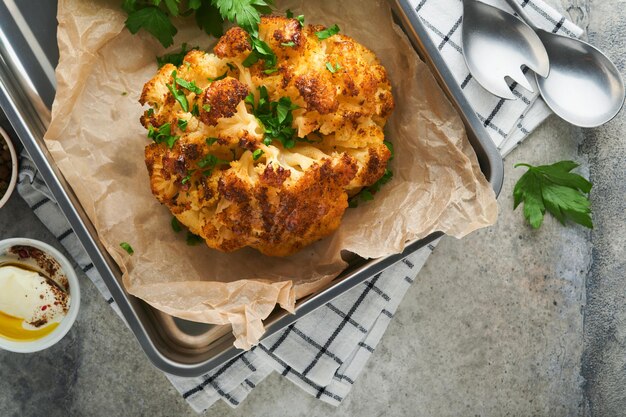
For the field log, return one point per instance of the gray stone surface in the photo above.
(604, 361)
(493, 325)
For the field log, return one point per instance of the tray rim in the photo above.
(29, 123)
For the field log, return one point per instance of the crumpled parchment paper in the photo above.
(98, 143)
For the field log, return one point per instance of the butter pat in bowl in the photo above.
(39, 295)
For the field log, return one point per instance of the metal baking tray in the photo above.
(28, 54)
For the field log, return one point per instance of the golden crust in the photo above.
(221, 100)
(286, 198)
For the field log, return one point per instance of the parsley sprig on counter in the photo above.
(555, 189)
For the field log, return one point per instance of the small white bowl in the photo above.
(5, 138)
(74, 288)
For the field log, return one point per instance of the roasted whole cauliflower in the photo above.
(244, 155)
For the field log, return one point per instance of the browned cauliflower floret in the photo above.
(213, 165)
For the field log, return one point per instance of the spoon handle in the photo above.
(520, 11)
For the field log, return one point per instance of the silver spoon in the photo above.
(496, 44)
(584, 87)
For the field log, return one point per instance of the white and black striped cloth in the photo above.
(324, 352)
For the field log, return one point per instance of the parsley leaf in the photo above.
(288, 13)
(257, 154)
(191, 86)
(127, 248)
(555, 189)
(182, 124)
(219, 77)
(193, 240)
(154, 16)
(276, 117)
(389, 146)
(289, 44)
(245, 12)
(367, 193)
(162, 135)
(195, 4)
(178, 94)
(208, 18)
(260, 50)
(175, 58)
(176, 225)
(327, 33)
(211, 141)
(187, 177)
(211, 161)
(154, 21)
(172, 6)
(332, 69)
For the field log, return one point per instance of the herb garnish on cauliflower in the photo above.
(246, 156)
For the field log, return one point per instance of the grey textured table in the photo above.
(508, 321)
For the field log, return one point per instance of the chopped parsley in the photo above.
(176, 227)
(289, 44)
(178, 94)
(191, 86)
(175, 58)
(127, 248)
(289, 14)
(276, 118)
(211, 161)
(193, 240)
(332, 69)
(327, 33)
(162, 135)
(220, 77)
(195, 111)
(257, 154)
(260, 51)
(367, 193)
(389, 146)
(187, 177)
(206, 107)
(182, 124)
(211, 141)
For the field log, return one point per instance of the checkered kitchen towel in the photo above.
(325, 360)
